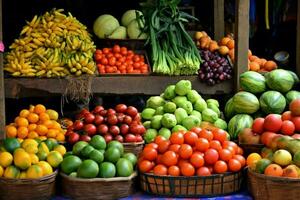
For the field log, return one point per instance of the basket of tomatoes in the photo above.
(194, 163)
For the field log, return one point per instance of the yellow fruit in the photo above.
(33, 135)
(21, 121)
(52, 133)
(60, 137)
(1, 171)
(27, 142)
(11, 172)
(5, 159)
(52, 114)
(38, 109)
(42, 130)
(42, 138)
(23, 175)
(46, 167)
(24, 113)
(252, 160)
(54, 158)
(18, 150)
(33, 118)
(43, 148)
(22, 159)
(61, 149)
(44, 116)
(20, 140)
(31, 149)
(34, 158)
(48, 123)
(32, 127)
(31, 108)
(56, 125)
(11, 131)
(34, 171)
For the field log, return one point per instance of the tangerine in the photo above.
(230, 44)
(21, 121)
(42, 130)
(38, 109)
(22, 132)
(44, 116)
(11, 131)
(270, 65)
(24, 113)
(274, 170)
(254, 66)
(33, 118)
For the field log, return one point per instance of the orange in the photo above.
(11, 131)
(213, 46)
(44, 116)
(263, 61)
(33, 135)
(223, 50)
(274, 170)
(252, 159)
(41, 130)
(290, 171)
(254, 66)
(24, 113)
(56, 125)
(259, 61)
(60, 137)
(270, 65)
(52, 133)
(38, 109)
(230, 44)
(31, 108)
(231, 54)
(21, 121)
(33, 118)
(224, 41)
(32, 127)
(252, 58)
(48, 123)
(22, 132)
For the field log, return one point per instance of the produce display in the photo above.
(51, 45)
(120, 60)
(215, 68)
(98, 159)
(30, 158)
(198, 152)
(172, 49)
(123, 123)
(260, 96)
(178, 108)
(36, 122)
(132, 25)
(226, 47)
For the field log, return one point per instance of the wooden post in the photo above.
(241, 40)
(218, 19)
(298, 40)
(2, 97)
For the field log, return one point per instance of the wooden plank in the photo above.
(117, 85)
(298, 40)
(2, 98)
(219, 19)
(241, 40)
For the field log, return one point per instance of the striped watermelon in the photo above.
(229, 109)
(238, 123)
(253, 82)
(280, 80)
(245, 103)
(272, 102)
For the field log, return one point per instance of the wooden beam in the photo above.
(241, 40)
(2, 97)
(219, 19)
(298, 40)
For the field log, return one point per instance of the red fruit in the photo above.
(169, 158)
(211, 156)
(98, 119)
(85, 138)
(225, 154)
(287, 127)
(89, 118)
(196, 130)
(139, 138)
(121, 108)
(190, 138)
(287, 115)
(206, 134)
(108, 138)
(114, 130)
(119, 138)
(98, 109)
(296, 121)
(258, 125)
(187, 169)
(202, 144)
(185, 151)
(149, 153)
(127, 120)
(134, 129)
(132, 111)
(163, 146)
(266, 137)
(215, 144)
(102, 129)
(219, 135)
(90, 129)
(203, 171)
(112, 119)
(73, 138)
(294, 107)
(220, 167)
(137, 118)
(130, 138)
(234, 165)
(124, 129)
(78, 125)
(120, 117)
(103, 112)
(273, 123)
(111, 111)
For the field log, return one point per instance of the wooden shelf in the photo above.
(118, 85)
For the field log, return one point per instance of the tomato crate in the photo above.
(137, 44)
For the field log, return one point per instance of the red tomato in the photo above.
(123, 50)
(225, 144)
(132, 111)
(241, 159)
(272, 123)
(234, 165)
(190, 138)
(177, 138)
(185, 151)
(267, 137)
(174, 171)
(158, 139)
(202, 144)
(90, 129)
(112, 61)
(73, 138)
(197, 160)
(258, 125)
(220, 167)
(287, 115)
(152, 145)
(98, 51)
(203, 171)
(116, 49)
(145, 166)
(206, 134)
(169, 158)
(105, 50)
(239, 151)
(225, 154)
(163, 146)
(174, 147)
(187, 169)
(215, 144)
(287, 127)
(296, 121)
(160, 170)
(219, 134)
(149, 153)
(294, 107)
(98, 57)
(211, 156)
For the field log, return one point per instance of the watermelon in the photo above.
(295, 77)
(280, 80)
(245, 103)
(253, 82)
(292, 95)
(238, 123)
(229, 109)
(272, 102)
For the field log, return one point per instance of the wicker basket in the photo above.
(264, 187)
(193, 186)
(97, 188)
(136, 148)
(28, 189)
(251, 148)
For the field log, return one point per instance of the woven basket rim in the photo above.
(273, 178)
(133, 143)
(133, 175)
(24, 180)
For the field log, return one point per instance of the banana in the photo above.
(24, 30)
(32, 23)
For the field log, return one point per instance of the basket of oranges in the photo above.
(194, 163)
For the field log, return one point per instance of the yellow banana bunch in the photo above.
(52, 45)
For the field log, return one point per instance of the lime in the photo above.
(11, 144)
(78, 147)
(112, 154)
(87, 150)
(98, 142)
(96, 156)
(107, 170)
(124, 167)
(116, 144)
(70, 164)
(131, 157)
(88, 169)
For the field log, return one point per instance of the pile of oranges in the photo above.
(36, 122)
(226, 47)
(198, 152)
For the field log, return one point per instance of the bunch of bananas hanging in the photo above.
(52, 45)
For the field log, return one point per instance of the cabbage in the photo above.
(130, 15)
(209, 115)
(169, 92)
(105, 25)
(155, 101)
(134, 31)
(119, 33)
(183, 87)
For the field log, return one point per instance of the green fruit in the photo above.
(156, 121)
(50, 144)
(213, 101)
(229, 109)
(154, 102)
(148, 113)
(168, 120)
(42, 155)
(220, 123)
(87, 150)
(70, 164)
(214, 108)
(73, 174)
(200, 105)
(124, 167)
(11, 144)
(98, 142)
(169, 107)
(193, 96)
(245, 103)
(190, 122)
(296, 158)
(280, 80)
(112, 154)
(131, 157)
(261, 165)
(88, 169)
(150, 135)
(253, 82)
(169, 92)
(197, 114)
(159, 110)
(208, 115)
(78, 147)
(96, 156)
(147, 124)
(107, 170)
(178, 128)
(69, 153)
(166, 133)
(187, 106)
(294, 75)
(272, 102)
(179, 100)
(183, 87)
(116, 144)
(238, 123)
(292, 95)
(180, 114)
